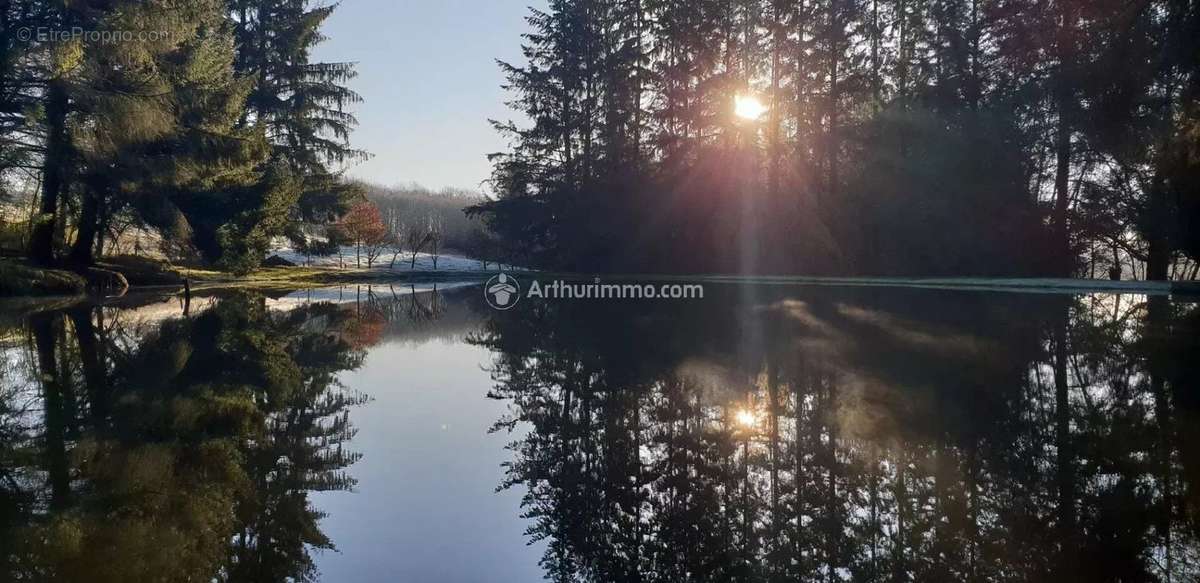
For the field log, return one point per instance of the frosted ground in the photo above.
(445, 261)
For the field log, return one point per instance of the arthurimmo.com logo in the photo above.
(502, 291)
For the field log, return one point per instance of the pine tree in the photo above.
(162, 136)
(18, 88)
(58, 67)
(301, 104)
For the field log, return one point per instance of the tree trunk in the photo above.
(1062, 144)
(798, 469)
(1158, 260)
(773, 428)
(1063, 444)
(1159, 332)
(44, 327)
(1062, 236)
(834, 137)
(778, 40)
(93, 363)
(637, 83)
(41, 238)
(102, 229)
(89, 220)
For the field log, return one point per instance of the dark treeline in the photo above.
(864, 436)
(205, 120)
(963, 137)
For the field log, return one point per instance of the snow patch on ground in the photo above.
(425, 262)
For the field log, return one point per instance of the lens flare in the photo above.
(748, 107)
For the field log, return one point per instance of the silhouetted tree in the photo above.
(904, 137)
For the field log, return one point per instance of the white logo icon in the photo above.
(502, 291)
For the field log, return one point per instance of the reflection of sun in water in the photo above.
(746, 418)
(748, 107)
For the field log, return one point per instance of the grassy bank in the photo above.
(295, 277)
(19, 278)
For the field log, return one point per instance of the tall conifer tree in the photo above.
(303, 105)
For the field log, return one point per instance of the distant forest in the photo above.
(914, 137)
(414, 203)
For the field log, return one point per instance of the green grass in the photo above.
(299, 276)
(18, 278)
(142, 271)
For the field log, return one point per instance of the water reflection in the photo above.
(155, 441)
(857, 436)
(765, 434)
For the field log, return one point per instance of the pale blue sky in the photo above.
(427, 74)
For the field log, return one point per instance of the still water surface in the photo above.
(763, 433)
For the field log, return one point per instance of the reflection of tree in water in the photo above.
(147, 460)
(408, 314)
(897, 437)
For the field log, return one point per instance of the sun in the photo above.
(748, 107)
(746, 418)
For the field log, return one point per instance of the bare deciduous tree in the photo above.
(435, 230)
(415, 239)
(399, 232)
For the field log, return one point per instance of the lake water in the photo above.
(763, 433)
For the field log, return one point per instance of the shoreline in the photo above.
(147, 277)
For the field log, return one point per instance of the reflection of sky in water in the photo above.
(983, 419)
(425, 507)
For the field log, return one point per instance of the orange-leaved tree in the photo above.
(363, 225)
